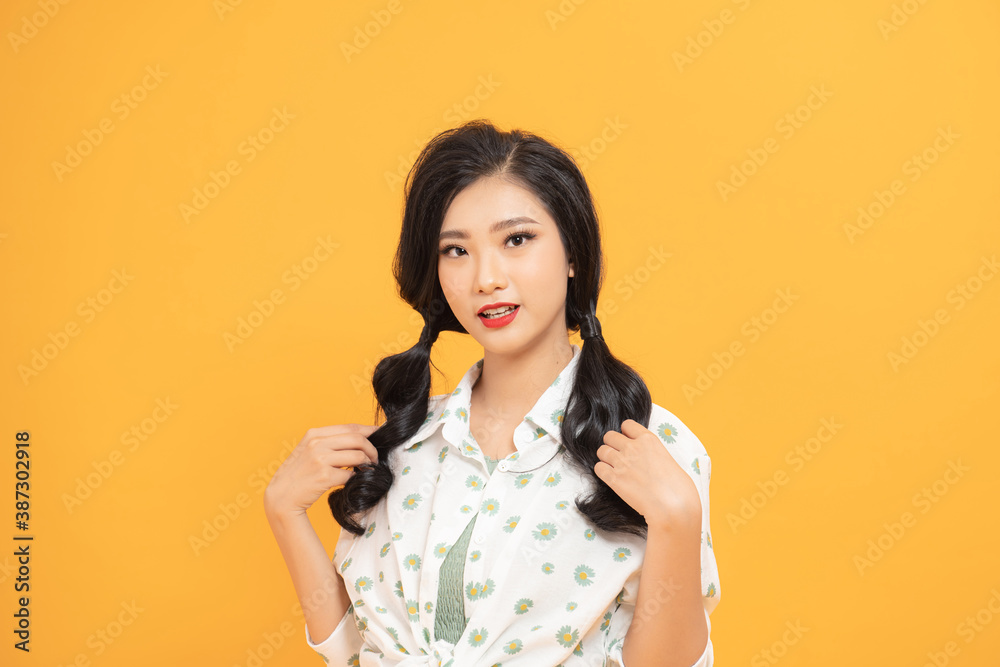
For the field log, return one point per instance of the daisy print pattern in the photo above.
(535, 582)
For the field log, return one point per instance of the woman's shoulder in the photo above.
(680, 440)
(437, 399)
(435, 406)
(435, 409)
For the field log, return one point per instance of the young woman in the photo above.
(545, 512)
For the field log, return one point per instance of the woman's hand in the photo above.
(325, 458)
(636, 465)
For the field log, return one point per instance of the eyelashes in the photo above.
(526, 235)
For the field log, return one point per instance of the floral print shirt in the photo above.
(542, 586)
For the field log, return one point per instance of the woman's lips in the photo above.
(496, 322)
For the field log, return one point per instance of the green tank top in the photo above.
(449, 615)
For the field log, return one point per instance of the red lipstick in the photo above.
(496, 322)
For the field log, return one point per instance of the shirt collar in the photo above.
(451, 411)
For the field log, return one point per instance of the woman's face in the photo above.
(520, 261)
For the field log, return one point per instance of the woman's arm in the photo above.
(668, 607)
(324, 459)
(318, 585)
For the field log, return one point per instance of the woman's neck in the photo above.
(510, 386)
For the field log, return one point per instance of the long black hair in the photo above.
(606, 391)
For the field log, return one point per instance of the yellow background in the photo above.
(661, 132)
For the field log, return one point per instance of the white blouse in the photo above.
(542, 585)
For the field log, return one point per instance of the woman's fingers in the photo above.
(348, 458)
(325, 458)
(346, 436)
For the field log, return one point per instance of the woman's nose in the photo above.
(490, 273)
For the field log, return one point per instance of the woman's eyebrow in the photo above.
(494, 228)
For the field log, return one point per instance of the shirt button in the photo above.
(479, 539)
(502, 466)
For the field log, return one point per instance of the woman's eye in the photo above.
(523, 236)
